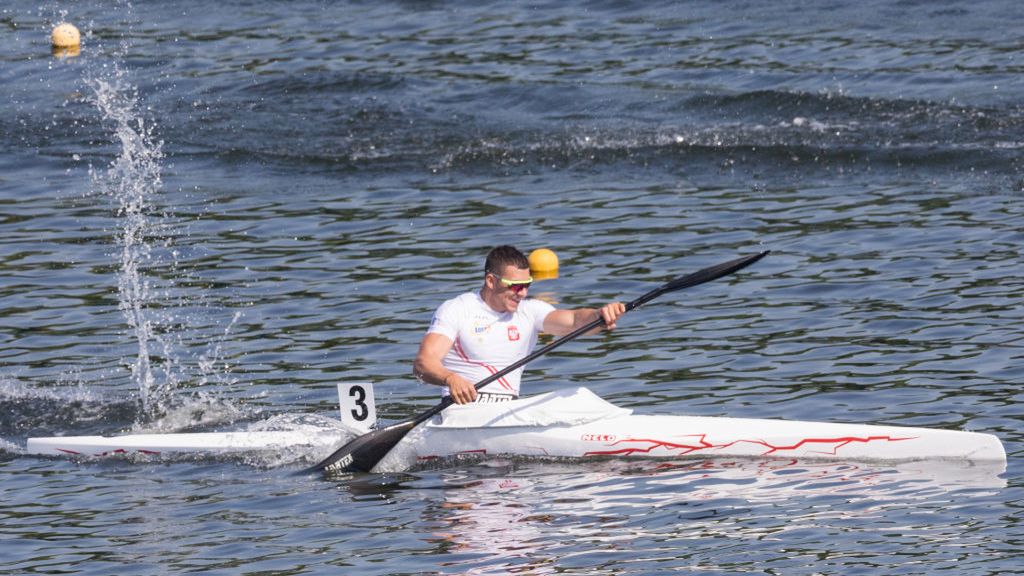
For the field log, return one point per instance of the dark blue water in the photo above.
(268, 198)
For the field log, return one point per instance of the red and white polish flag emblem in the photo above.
(513, 333)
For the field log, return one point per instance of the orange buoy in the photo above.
(66, 40)
(543, 264)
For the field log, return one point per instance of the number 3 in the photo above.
(356, 406)
(359, 393)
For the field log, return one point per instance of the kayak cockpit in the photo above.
(564, 407)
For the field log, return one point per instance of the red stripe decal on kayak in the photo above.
(111, 452)
(648, 445)
(838, 442)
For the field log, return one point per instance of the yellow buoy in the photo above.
(66, 40)
(543, 264)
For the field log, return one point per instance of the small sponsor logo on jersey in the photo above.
(481, 325)
(598, 437)
(513, 333)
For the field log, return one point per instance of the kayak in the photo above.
(579, 424)
(576, 423)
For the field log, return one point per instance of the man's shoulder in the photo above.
(452, 313)
(536, 307)
(466, 300)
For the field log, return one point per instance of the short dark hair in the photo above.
(502, 256)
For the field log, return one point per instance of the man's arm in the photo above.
(427, 368)
(562, 322)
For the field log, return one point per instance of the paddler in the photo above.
(478, 333)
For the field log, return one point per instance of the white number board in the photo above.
(357, 407)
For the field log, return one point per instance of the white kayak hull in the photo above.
(596, 428)
(703, 437)
(577, 424)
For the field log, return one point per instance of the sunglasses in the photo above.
(515, 286)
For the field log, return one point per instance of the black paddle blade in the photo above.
(713, 272)
(364, 452)
(699, 277)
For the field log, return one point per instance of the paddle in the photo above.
(364, 452)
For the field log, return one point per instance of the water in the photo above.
(309, 180)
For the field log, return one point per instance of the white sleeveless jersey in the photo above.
(485, 341)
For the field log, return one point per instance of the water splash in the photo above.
(165, 319)
(196, 413)
(9, 448)
(133, 178)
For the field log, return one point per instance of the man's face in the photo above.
(511, 286)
